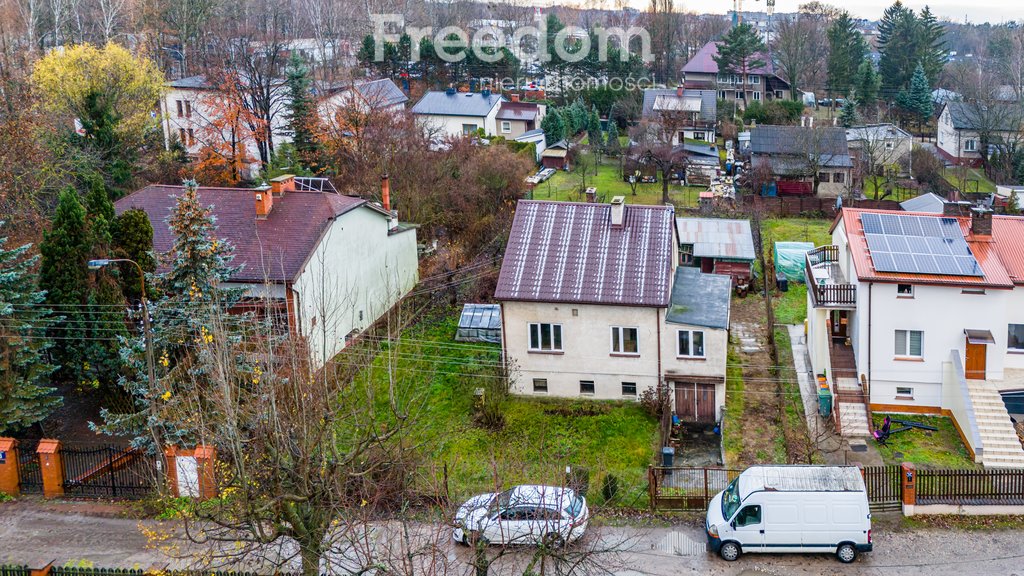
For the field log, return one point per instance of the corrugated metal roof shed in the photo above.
(929, 202)
(480, 323)
(700, 299)
(717, 237)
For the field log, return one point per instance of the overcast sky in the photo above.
(976, 11)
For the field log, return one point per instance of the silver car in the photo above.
(528, 514)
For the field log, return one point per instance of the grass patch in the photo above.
(942, 449)
(969, 180)
(791, 306)
(565, 187)
(732, 439)
(540, 437)
(957, 522)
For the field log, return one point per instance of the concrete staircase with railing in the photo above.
(1001, 447)
(853, 415)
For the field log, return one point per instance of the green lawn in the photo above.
(966, 179)
(873, 183)
(791, 306)
(565, 186)
(942, 449)
(540, 437)
(732, 438)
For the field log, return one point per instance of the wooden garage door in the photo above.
(695, 402)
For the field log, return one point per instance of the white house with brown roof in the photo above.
(922, 313)
(329, 265)
(594, 306)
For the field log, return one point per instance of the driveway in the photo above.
(30, 533)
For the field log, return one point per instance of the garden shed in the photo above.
(480, 323)
(790, 259)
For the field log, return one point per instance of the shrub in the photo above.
(655, 401)
(609, 487)
(579, 480)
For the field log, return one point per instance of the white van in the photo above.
(791, 509)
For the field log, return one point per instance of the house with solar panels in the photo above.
(922, 313)
(594, 305)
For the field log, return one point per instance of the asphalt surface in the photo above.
(33, 534)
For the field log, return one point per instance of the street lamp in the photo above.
(150, 365)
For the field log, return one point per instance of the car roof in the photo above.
(550, 496)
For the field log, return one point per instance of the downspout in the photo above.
(666, 419)
(867, 392)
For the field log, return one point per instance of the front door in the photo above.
(839, 325)
(975, 361)
(695, 402)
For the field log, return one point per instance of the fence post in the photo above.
(46, 566)
(9, 466)
(52, 468)
(206, 462)
(908, 481)
(170, 459)
(652, 488)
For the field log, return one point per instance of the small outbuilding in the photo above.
(790, 259)
(556, 156)
(480, 323)
(717, 246)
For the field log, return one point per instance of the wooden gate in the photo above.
(695, 402)
(683, 488)
(30, 475)
(107, 472)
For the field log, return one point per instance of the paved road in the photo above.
(29, 533)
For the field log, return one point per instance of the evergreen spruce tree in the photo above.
(301, 114)
(63, 275)
(24, 321)
(897, 44)
(846, 51)
(849, 116)
(866, 85)
(612, 146)
(553, 127)
(594, 129)
(132, 234)
(191, 299)
(917, 101)
(930, 46)
(104, 313)
(741, 51)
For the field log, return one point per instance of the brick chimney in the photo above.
(514, 96)
(956, 208)
(282, 184)
(981, 221)
(618, 211)
(591, 193)
(385, 192)
(679, 90)
(264, 201)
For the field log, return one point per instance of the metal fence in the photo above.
(30, 474)
(15, 570)
(107, 472)
(885, 492)
(970, 487)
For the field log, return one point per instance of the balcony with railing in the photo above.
(825, 280)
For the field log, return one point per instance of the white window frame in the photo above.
(629, 394)
(722, 95)
(553, 329)
(757, 96)
(619, 331)
(542, 388)
(466, 132)
(506, 126)
(699, 136)
(688, 353)
(970, 145)
(905, 294)
(593, 386)
(754, 79)
(724, 79)
(739, 95)
(905, 392)
(1008, 340)
(906, 351)
(839, 177)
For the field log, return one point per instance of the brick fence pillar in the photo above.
(908, 481)
(170, 458)
(53, 469)
(9, 466)
(44, 567)
(206, 461)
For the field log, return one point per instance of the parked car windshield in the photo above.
(499, 503)
(575, 507)
(730, 500)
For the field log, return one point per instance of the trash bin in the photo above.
(668, 454)
(781, 282)
(824, 400)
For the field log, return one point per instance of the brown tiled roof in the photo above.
(1008, 234)
(570, 252)
(525, 111)
(275, 249)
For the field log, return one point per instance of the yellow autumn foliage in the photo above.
(132, 85)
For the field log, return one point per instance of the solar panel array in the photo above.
(918, 245)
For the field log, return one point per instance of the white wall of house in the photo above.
(356, 274)
(586, 348)
(587, 354)
(453, 125)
